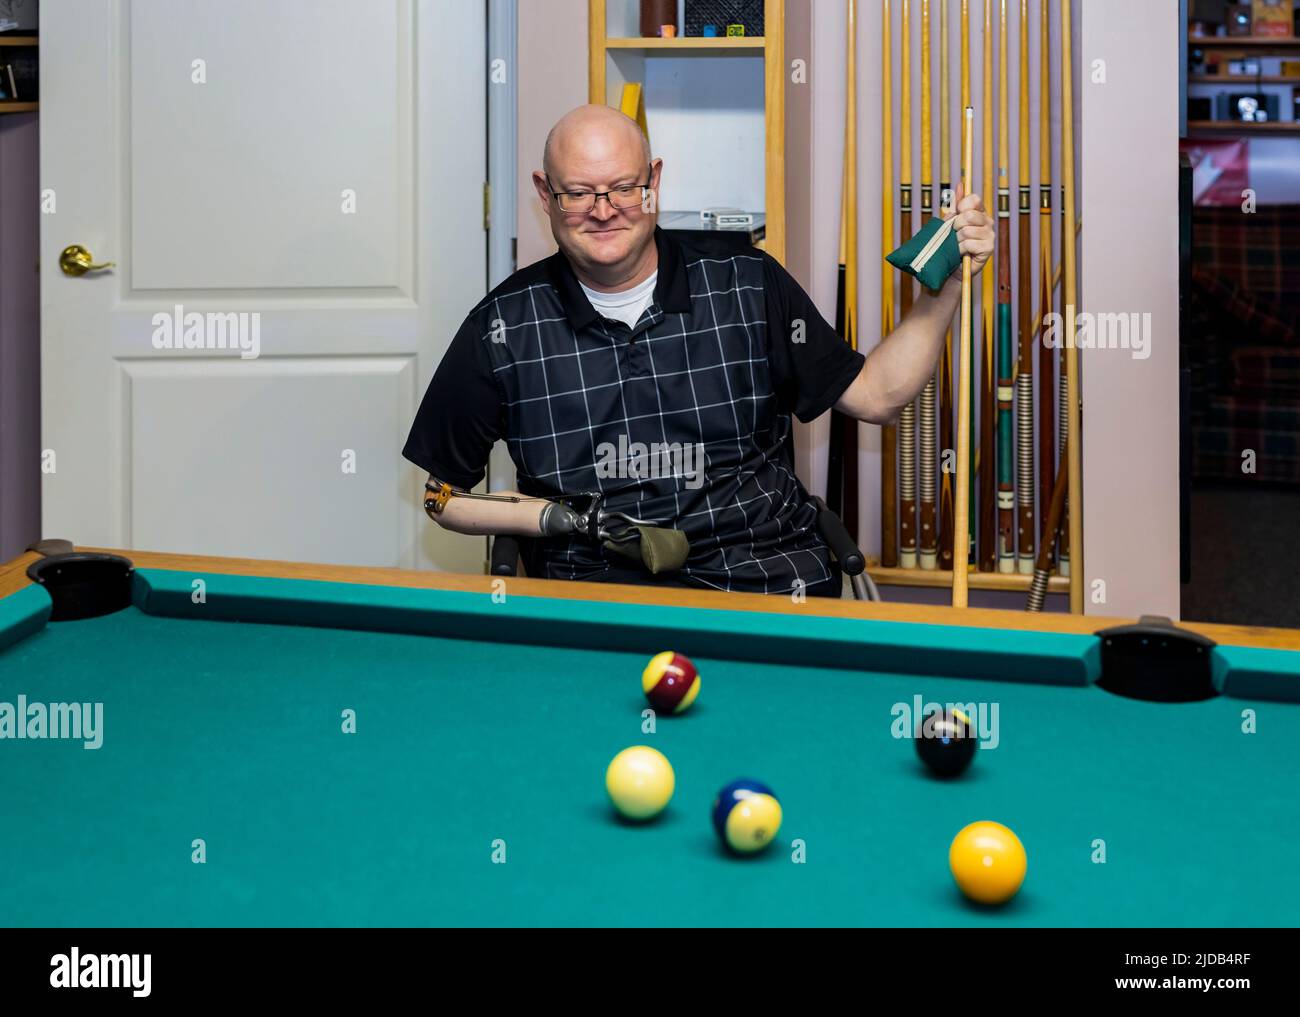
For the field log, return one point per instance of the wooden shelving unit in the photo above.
(29, 41)
(1240, 79)
(615, 60)
(1246, 41)
(690, 43)
(1012, 582)
(1255, 47)
(1237, 127)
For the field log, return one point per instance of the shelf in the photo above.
(1240, 79)
(754, 43)
(1247, 41)
(7, 105)
(615, 58)
(1235, 127)
(942, 578)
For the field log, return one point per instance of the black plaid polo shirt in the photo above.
(728, 349)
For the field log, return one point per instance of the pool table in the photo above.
(288, 744)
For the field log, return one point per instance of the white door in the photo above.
(299, 180)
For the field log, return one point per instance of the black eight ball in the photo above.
(946, 743)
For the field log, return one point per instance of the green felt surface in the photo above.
(230, 732)
(23, 613)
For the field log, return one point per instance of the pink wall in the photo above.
(1129, 262)
(552, 56)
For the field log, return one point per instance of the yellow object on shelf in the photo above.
(632, 104)
(1273, 18)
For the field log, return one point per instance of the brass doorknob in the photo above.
(76, 260)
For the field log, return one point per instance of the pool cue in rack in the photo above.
(1020, 403)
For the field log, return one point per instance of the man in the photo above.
(628, 341)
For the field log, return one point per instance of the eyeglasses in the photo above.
(576, 202)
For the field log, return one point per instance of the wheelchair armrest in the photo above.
(505, 556)
(844, 547)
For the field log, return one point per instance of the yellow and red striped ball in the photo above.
(671, 682)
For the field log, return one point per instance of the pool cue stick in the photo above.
(888, 433)
(842, 458)
(969, 550)
(907, 418)
(1006, 548)
(1062, 393)
(1025, 369)
(1074, 456)
(945, 364)
(985, 462)
(965, 78)
(1056, 281)
(1051, 530)
(961, 576)
(1046, 288)
(929, 545)
(1060, 409)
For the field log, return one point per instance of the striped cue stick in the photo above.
(1051, 528)
(1006, 494)
(929, 545)
(1025, 372)
(961, 576)
(945, 364)
(985, 467)
(1073, 535)
(1046, 402)
(888, 433)
(907, 418)
(968, 550)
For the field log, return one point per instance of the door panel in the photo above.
(212, 415)
(256, 160)
(227, 198)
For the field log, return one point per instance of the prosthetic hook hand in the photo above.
(657, 548)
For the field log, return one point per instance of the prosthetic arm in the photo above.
(584, 515)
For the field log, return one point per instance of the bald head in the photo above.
(596, 150)
(593, 135)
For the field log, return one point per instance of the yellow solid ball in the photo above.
(640, 782)
(988, 862)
